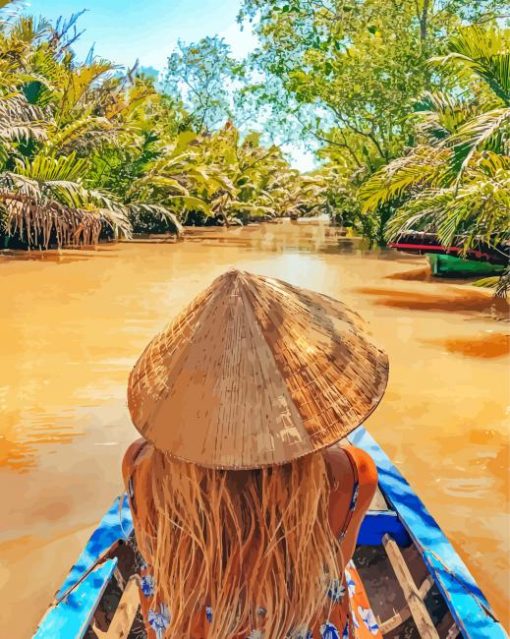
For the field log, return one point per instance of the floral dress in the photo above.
(342, 618)
(354, 621)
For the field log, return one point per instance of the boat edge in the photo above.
(469, 607)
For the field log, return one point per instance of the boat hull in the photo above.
(452, 266)
(402, 555)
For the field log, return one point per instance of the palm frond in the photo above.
(484, 52)
(421, 213)
(194, 203)
(438, 115)
(421, 168)
(479, 210)
(45, 168)
(151, 183)
(80, 81)
(44, 204)
(487, 130)
(87, 132)
(20, 121)
(500, 284)
(141, 215)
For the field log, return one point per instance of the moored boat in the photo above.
(478, 260)
(417, 584)
(443, 265)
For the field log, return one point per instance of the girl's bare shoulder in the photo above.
(338, 460)
(136, 452)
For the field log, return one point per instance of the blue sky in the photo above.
(124, 30)
(148, 30)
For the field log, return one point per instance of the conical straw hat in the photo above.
(255, 372)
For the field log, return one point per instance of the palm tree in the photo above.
(43, 194)
(456, 181)
(86, 150)
(44, 202)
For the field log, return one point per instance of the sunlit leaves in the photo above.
(457, 185)
(203, 75)
(423, 167)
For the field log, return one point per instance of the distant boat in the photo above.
(417, 584)
(451, 266)
(479, 260)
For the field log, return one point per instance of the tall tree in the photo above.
(352, 68)
(204, 75)
(456, 181)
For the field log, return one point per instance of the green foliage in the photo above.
(402, 97)
(456, 182)
(359, 65)
(407, 102)
(203, 75)
(88, 150)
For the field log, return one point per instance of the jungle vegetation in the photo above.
(407, 101)
(406, 104)
(90, 150)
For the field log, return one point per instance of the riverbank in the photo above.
(77, 320)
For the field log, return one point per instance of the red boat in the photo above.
(416, 242)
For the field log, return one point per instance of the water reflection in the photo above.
(484, 347)
(450, 299)
(20, 446)
(423, 274)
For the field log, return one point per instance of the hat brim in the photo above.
(256, 372)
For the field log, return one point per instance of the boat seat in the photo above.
(378, 523)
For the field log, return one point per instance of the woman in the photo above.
(246, 509)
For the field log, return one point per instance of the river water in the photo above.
(73, 324)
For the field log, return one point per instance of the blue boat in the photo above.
(417, 584)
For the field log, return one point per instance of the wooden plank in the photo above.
(467, 604)
(125, 614)
(414, 600)
(404, 614)
(378, 502)
(378, 523)
(453, 632)
(72, 616)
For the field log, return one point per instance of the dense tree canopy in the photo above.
(204, 76)
(409, 102)
(455, 181)
(87, 149)
(351, 69)
(405, 103)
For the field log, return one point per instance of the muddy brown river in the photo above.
(73, 324)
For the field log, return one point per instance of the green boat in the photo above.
(443, 265)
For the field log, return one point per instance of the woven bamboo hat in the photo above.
(255, 372)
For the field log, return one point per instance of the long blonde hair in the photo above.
(255, 546)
